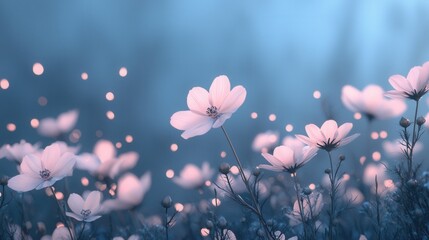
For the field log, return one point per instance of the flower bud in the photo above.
(4, 180)
(307, 191)
(209, 224)
(421, 121)
(166, 202)
(342, 157)
(404, 122)
(224, 168)
(222, 222)
(256, 172)
(327, 171)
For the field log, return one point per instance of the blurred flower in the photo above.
(193, 177)
(379, 170)
(62, 233)
(226, 235)
(50, 127)
(208, 109)
(40, 172)
(84, 209)
(329, 136)
(264, 141)
(130, 193)
(396, 149)
(236, 182)
(353, 196)
(104, 161)
(371, 102)
(64, 147)
(17, 151)
(316, 204)
(292, 142)
(288, 159)
(413, 87)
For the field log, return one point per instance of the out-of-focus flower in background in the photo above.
(192, 177)
(395, 149)
(64, 123)
(40, 172)
(288, 159)
(17, 151)
(84, 209)
(371, 102)
(265, 141)
(208, 109)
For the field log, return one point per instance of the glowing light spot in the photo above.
(312, 186)
(179, 207)
(389, 183)
(84, 76)
(383, 134)
(99, 133)
(101, 186)
(169, 173)
(129, 139)
(84, 181)
(34, 123)
(59, 195)
(75, 136)
(272, 117)
(114, 187)
(4, 84)
(11, 127)
(112, 192)
(317, 94)
(205, 232)
(376, 156)
(208, 183)
(254, 115)
(110, 115)
(123, 72)
(223, 154)
(374, 135)
(42, 101)
(346, 177)
(289, 128)
(38, 69)
(216, 202)
(48, 192)
(110, 96)
(362, 160)
(174, 147)
(118, 145)
(234, 170)
(357, 116)
(59, 224)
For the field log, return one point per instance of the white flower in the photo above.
(50, 127)
(208, 109)
(17, 151)
(193, 177)
(84, 209)
(264, 141)
(288, 159)
(413, 87)
(316, 203)
(104, 161)
(62, 233)
(396, 149)
(40, 172)
(130, 193)
(329, 136)
(371, 102)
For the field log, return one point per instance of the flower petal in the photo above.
(64, 166)
(24, 182)
(314, 133)
(105, 150)
(201, 128)
(75, 216)
(347, 140)
(305, 140)
(219, 90)
(414, 79)
(285, 155)
(50, 156)
(272, 160)
(271, 168)
(92, 218)
(395, 94)
(76, 203)
(184, 120)
(351, 98)
(219, 122)
(329, 129)
(234, 100)
(400, 83)
(31, 165)
(198, 100)
(343, 130)
(92, 202)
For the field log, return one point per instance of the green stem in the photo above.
(410, 161)
(332, 195)
(81, 231)
(301, 208)
(61, 211)
(166, 223)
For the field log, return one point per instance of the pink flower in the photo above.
(17, 151)
(414, 86)
(288, 159)
(50, 127)
(192, 176)
(84, 209)
(329, 136)
(371, 102)
(264, 141)
(40, 172)
(208, 109)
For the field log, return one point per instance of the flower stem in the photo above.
(257, 208)
(413, 142)
(166, 223)
(298, 199)
(81, 231)
(61, 211)
(2, 196)
(332, 195)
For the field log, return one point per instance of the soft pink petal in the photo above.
(198, 100)
(50, 156)
(400, 83)
(305, 140)
(75, 203)
(75, 216)
(184, 120)
(329, 129)
(66, 121)
(395, 94)
(343, 130)
(271, 159)
(125, 161)
(234, 100)
(347, 140)
(285, 155)
(314, 133)
(105, 150)
(271, 168)
(201, 128)
(31, 165)
(219, 122)
(424, 73)
(351, 98)
(24, 182)
(413, 78)
(219, 90)
(64, 165)
(92, 202)
(92, 218)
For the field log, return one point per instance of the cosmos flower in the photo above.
(50, 127)
(40, 172)
(316, 203)
(17, 151)
(329, 136)
(193, 177)
(84, 209)
(208, 109)
(384, 182)
(130, 192)
(414, 86)
(396, 149)
(371, 102)
(288, 159)
(264, 141)
(104, 162)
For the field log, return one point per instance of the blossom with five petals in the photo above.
(329, 136)
(414, 86)
(208, 109)
(84, 209)
(288, 159)
(40, 172)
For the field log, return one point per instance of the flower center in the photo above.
(45, 174)
(85, 213)
(329, 145)
(212, 112)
